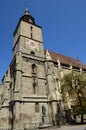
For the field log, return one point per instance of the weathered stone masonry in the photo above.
(30, 89)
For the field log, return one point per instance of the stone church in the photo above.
(30, 90)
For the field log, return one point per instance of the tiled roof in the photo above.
(66, 60)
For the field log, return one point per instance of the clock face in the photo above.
(31, 44)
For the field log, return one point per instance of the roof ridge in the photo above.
(66, 59)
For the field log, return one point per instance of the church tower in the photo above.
(28, 36)
(31, 88)
(28, 77)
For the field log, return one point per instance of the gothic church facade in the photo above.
(30, 89)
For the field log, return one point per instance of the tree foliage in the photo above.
(74, 85)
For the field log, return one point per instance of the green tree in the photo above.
(74, 85)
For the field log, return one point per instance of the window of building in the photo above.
(43, 110)
(11, 90)
(34, 68)
(36, 107)
(34, 87)
(58, 84)
(31, 31)
(32, 53)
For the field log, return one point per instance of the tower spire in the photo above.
(26, 12)
(27, 17)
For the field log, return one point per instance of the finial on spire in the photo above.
(27, 11)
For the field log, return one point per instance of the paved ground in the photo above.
(76, 127)
(79, 127)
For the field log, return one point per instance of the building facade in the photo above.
(30, 89)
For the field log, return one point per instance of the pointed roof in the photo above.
(66, 60)
(27, 17)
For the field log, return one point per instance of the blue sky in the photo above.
(63, 23)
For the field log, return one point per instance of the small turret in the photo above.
(27, 17)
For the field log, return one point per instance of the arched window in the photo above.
(34, 68)
(32, 53)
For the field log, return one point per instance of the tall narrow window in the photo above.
(36, 107)
(43, 110)
(58, 84)
(34, 88)
(31, 31)
(34, 68)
